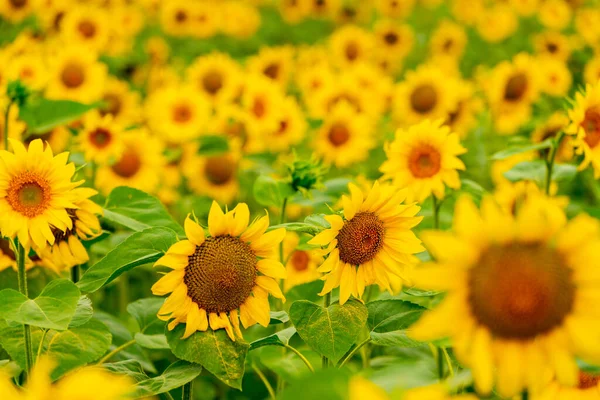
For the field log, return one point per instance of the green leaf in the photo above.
(317, 220)
(52, 309)
(330, 384)
(145, 310)
(305, 291)
(213, 350)
(130, 368)
(137, 210)
(280, 338)
(213, 144)
(389, 319)
(563, 172)
(176, 375)
(511, 151)
(141, 248)
(329, 331)
(41, 115)
(279, 317)
(83, 313)
(156, 342)
(269, 191)
(527, 170)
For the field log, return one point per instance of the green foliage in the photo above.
(389, 319)
(269, 191)
(41, 115)
(280, 338)
(212, 144)
(513, 150)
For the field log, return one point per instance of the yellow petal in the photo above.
(241, 219)
(271, 268)
(270, 286)
(217, 221)
(193, 231)
(168, 283)
(183, 247)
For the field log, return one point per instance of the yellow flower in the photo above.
(554, 44)
(86, 26)
(360, 388)
(292, 127)
(587, 23)
(549, 129)
(36, 192)
(349, 45)
(301, 265)
(29, 68)
(468, 12)
(217, 76)
(518, 293)
(555, 14)
(275, 63)
(449, 39)
(262, 98)
(17, 10)
(177, 17)
(423, 159)
(157, 49)
(100, 139)
(587, 388)
(294, 11)
(497, 23)
(220, 280)
(525, 8)
(585, 125)
(394, 8)
(464, 117)
(393, 39)
(510, 196)
(434, 392)
(239, 19)
(591, 73)
(237, 124)
(345, 136)
(121, 102)
(556, 77)
(325, 8)
(371, 243)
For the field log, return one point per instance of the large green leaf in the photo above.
(41, 115)
(83, 313)
(155, 342)
(176, 375)
(388, 320)
(52, 309)
(329, 331)
(280, 338)
(141, 248)
(144, 311)
(137, 210)
(269, 191)
(511, 151)
(214, 350)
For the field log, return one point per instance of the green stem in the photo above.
(168, 396)
(326, 303)
(448, 361)
(282, 221)
(188, 390)
(40, 347)
(22, 277)
(353, 352)
(436, 212)
(264, 379)
(525, 395)
(550, 160)
(440, 365)
(115, 351)
(75, 273)
(304, 359)
(6, 121)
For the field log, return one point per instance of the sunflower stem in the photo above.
(525, 395)
(354, 351)
(6, 115)
(550, 160)
(304, 359)
(448, 361)
(264, 379)
(187, 391)
(75, 273)
(436, 212)
(440, 364)
(22, 277)
(326, 303)
(115, 351)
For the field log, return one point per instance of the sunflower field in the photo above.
(300, 199)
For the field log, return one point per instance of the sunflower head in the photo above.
(585, 125)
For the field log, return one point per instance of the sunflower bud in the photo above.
(306, 175)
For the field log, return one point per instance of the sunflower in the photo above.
(393, 39)
(242, 21)
(217, 76)
(236, 123)
(427, 93)
(394, 8)
(587, 23)
(371, 242)
(206, 19)
(468, 12)
(345, 136)
(35, 193)
(177, 113)
(497, 23)
(353, 12)
(275, 63)
(525, 8)
(423, 159)
(158, 50)
(591, 73)
(176, 17)
(294, 11)
(349, 45)
(585, 126)
(17, 10)
(518, 293)
(587, 388)
(324, 8)
(100, 139)
(29, 68)
(16, 127)
(76, 74)
(464, 117)
(262, 98)
(7, 255)
(553, 44)
(555, 14)
(220, 280)
(122, 103)
(292, 127)
(510, 196)
(449, 39)
(556, 77)
(87, 26)
(137, 166)
(301, 264)
(549, 129)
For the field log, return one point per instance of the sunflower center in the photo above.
(515, 87)
(283, 126)
(113, 104)
(338, 134)
(87, 28)
(212, 82)
(219, 170)
(220, 274)
(424, 161)
(272, 71)
(6, 249)
(72, 75)
(519, 291)
(391, 38)
(259, 109)
(591, 126)
(129, 164)
(423, 99)
(352, 51)
(181, 16)
(18, 3)
(552, 47)
(360, 239)
(588, 380)
(100, 138)
(300, 260)
(182, 113)
(29, 194)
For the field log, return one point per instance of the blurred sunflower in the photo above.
(518, 290)
(35, 193)
(217, 76)
(29, 68)
(345, 137)
(292, 127)
(496, 23)
(262, 98)
(587, 388)
(100, 139)
(360, 388)
(372, 241)
(176, 17)
(301, 265)
(206, 19)
(511, 196)
(585, 125)
(553, 44)
(18, 10)
(294, 11)
(122, 103)
(220, 280)
(86, 26)
(236, 123)
(556, 77)
(394, 8)
(354, 12)
(158, 50)
(555, 14)
(449, 39)
(468, 12)
(556, 123)
(349, 45)
(525, 8)
(464, 117)
(587, 23)
(242, 20)
(424, 159)
(324, 8)
(393, 39)
(591, 72)
(275, 63)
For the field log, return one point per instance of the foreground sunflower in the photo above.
(224, 278)
(371, 242)
(519, 289)
(585, 125)
(423, 158)
(35, 193)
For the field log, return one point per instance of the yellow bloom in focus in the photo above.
(518, 293)
(301, 265)
(100, 139)
(220, 280)
(371, 243)
(424, 159)
(86, 26)
(217, 76)
(585, 125)
(360, 388)
(345, 137)
(555, 14)
(35, 193)
(349, 45)
(275, 63)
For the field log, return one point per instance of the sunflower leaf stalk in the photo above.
(22, 278)
(551, 159)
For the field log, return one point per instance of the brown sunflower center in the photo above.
(60, 236)
(591, 126)
(212, 82)
(259, 108)
(219, 170)
(588, 380)
(182, 113)
(6, 249)
(129, 164)
(237, 129)
(272, 70)
(29, 194)
(220, 274)
(18, 3)
(181, 16)
(87, 28)
(72, 75)
(352, 51)
(391, 38)
(361, 238)
(100, 138)
(300, 260)
(424, 161)
(552, 47)
(283, 127)
(519, 291)
(113, 104)
(338, 134)
(515, 87)
(423, 99)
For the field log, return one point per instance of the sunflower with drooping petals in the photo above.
(519, 290)
(585, 125)
(370, 242)
(100, 139)
(224, 278)
(36, 192)
(424, 159)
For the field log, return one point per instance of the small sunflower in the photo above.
(243, 20)
(556, 77)
(553, 44)
(29, 68)
(497, 23)
(236, 123)
(36, 193)
(217, 76)
(294, 11)
(100, 139)
(525, 8)
(591, 72)
(121, 102)
(275, 63)
(469, 105)
(262, 97)
(177, 17)
(292, 127)
(370, 243)
(17, 10)
(301, 265)
(220, 280)
(585, 125)
(587, 23)
(518, 293)
(351, 44)
(468, 12)
(324, 8)
(424, 159)
(393, 39)
(88, 26)
(449, 39)
(555, 14)
(549, 129)
(394, 8)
